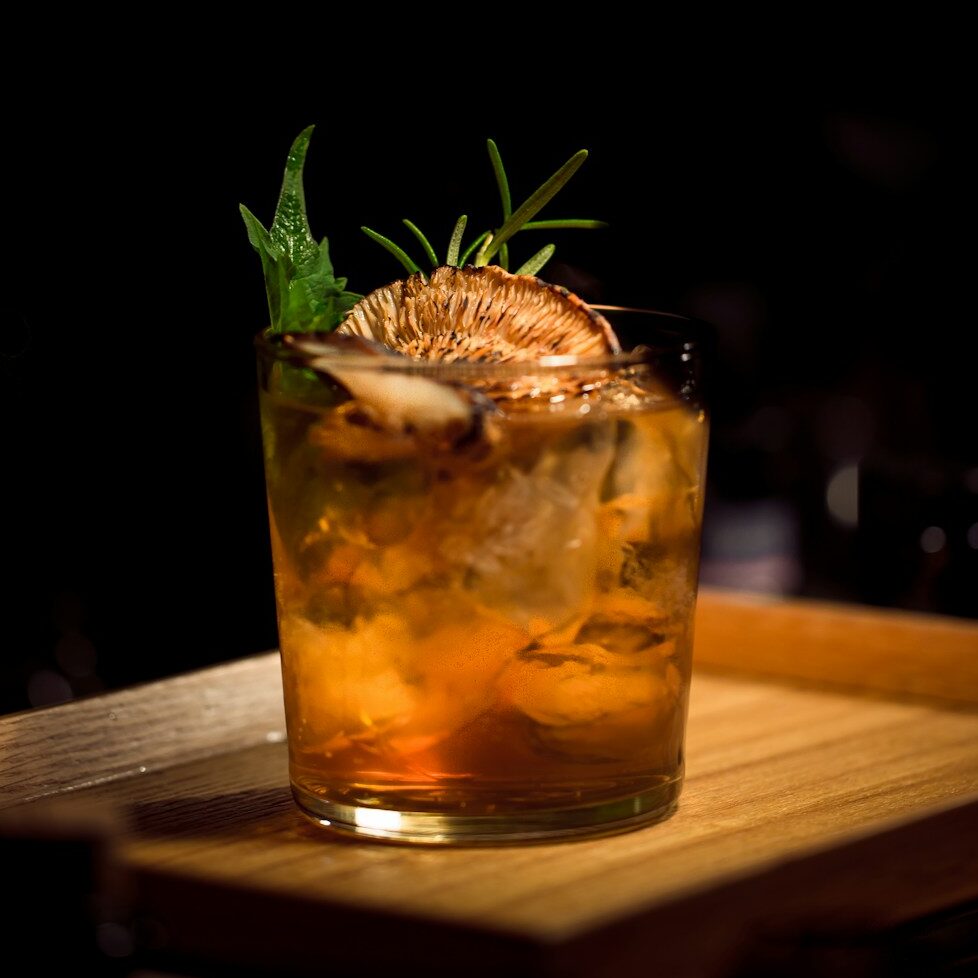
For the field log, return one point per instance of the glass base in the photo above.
(543, 825)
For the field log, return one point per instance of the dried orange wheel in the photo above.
(480, 314)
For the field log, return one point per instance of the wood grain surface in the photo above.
(118, 735)
(804, 808)
(893, 652)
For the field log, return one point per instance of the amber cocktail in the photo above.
(485, 617)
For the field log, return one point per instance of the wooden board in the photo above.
(804, 808)
(892, 652)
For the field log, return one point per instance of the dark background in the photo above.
(819, 233)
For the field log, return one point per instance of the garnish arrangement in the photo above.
(484, 527)
(304, 294)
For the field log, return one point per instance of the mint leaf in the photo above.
(290, 230)
(304, 295)
(271, 262)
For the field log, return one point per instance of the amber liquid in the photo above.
(492, 636)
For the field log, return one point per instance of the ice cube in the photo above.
(529, 540)
(345, 681)
(403, 681)
(453, 669)
(663, 573)
(654, 485)
(576, 684)
(645, 728)
(624, 622)
(391, 570)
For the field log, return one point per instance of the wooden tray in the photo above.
(832, 788)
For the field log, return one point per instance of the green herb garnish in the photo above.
(456, 241)
(303, 293)
(489, 244)
(305, 296)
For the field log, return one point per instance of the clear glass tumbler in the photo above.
(485, 578)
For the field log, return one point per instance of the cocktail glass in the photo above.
(485, 613)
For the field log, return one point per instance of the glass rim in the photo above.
(675, 335)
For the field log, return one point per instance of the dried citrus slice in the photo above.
(480, 314)
(391, 412)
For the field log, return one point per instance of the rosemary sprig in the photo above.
(533, 265)
(491, 243)
(534, 203)
(504, 196)
(425, 243)
(475, 244)
(456, 241)
(398, 252)
(570, 222)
